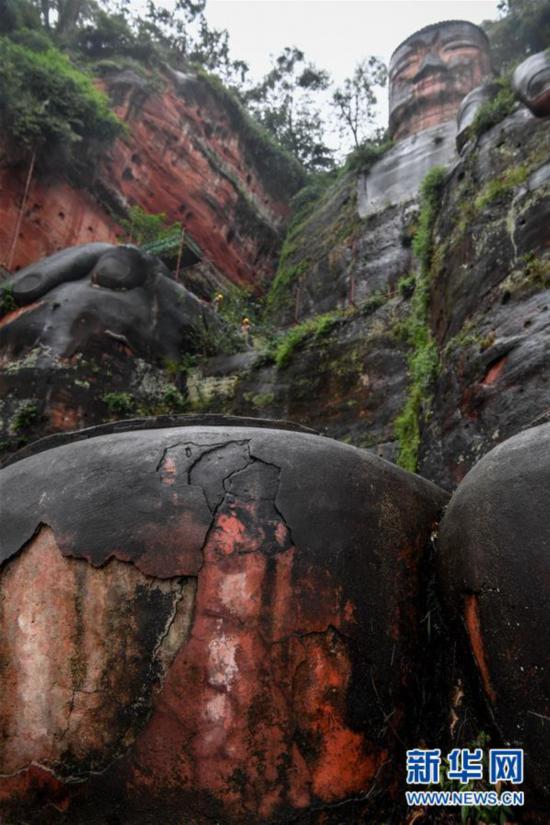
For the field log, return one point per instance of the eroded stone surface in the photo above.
(396, 178)
(81, 651)
(304, 630)
(495, 577)
(531, 81)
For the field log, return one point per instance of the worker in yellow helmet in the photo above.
(245, 330)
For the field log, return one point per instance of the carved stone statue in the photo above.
(432, 71)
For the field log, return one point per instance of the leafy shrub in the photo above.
(119, 403)
(25, 417)
(7, 301)
(147, 228)
(365, 156)
(47, 104)
(493, 111)
(430, 196)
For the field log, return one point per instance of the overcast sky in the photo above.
(334, 34)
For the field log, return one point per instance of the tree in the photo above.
(524, 28)
(355, 101)
(283, 102)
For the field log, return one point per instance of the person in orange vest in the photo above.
(245, 330)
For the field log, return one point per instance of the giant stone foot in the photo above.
(212, 622)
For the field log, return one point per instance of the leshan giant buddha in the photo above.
(432, 71)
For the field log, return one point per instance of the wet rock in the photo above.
(490, 299)
(87, 333)
(357, 375)
(494, 574)
(269, 578)
(432, 71)
(531, 81)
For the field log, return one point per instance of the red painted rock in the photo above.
(205, 623)
(531, 81)
(494, 568)
(432, 71)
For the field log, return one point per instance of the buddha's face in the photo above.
(431, 72)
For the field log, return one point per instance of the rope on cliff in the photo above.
(21, 210)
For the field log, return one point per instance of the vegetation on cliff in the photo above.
(51, 108)
(416, 330)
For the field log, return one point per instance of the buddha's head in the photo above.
(432, 71)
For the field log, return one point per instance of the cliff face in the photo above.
(488, 301)
(490, 297)
(190, 152)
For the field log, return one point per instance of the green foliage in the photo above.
(303, 243)
(24, 418)
(239, 303)
(281, 168)
(493, 111)
(355, 101)
(145, 228)
(283, 102)
(406, 285)
(314, 327)
(49, 105)
(185, 364)
(423, 361)
(497, 187)
(119, 403)
(523, 30)
(18, 14)
(364, 156)
(430, 197)
(7, 301)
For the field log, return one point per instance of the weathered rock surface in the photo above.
(531, 81)
(349, 384)
(432, 71)
(247, 596)
(191, 153)
(396, 178)
(494, 571)
(490, 298)
(469, 108)
(89, 326)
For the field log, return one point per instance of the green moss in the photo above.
(430, 199)
(7, 301)
(495, 110)
(260, 400)
(324, 217)
(25, 417)
(533, 276)
(501, 185)
(186, 363)
(314, 327)
(423, 361)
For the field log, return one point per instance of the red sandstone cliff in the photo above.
(190, 152)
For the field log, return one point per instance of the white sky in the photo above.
(334, 34)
